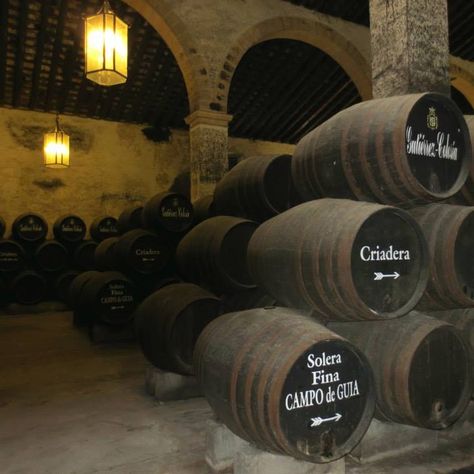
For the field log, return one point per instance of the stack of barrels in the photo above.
(34, 268)
(353, 303)
(134, 256)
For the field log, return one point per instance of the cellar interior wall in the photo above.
(113, 165)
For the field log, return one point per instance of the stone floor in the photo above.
(71, 407)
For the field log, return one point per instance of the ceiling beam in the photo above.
(20, 53)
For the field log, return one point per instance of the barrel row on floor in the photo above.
(33, 268)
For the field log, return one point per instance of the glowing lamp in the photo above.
(56, 148)
(106, 47)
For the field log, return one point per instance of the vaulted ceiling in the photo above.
(280, 90)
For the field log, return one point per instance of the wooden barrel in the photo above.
(130, 219)
(285, 383)
(213, 254)
(169, 322)
(108, 298)
(29, 228)
(168, 211)
(28, 287)
(104, 255)
(103, 228)
(466, 195)
(3, 291)
(345, 260)
(397, 150)
(62, 284)
(77, 285)
(3, 227)
(51, 256)
(248, 299)
(257, 188)
(69, 229)
(141, 252)
(203, 208)
(463, 320)
(421, 368)
(12, 256)
(449, 231)
(83, 255)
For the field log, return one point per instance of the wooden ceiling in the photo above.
(42, 65)
(460, 16)
(281, 89)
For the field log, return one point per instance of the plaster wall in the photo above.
(113, 165)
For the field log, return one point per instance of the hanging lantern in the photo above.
(56, 148)
(106, 47)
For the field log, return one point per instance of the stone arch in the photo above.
(159, 14)
(325, 35)
(462, 77)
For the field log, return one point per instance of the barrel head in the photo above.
(439, 379)
(389, 262)
(29, 228)
(327, 401)
(116, 301)
(69, 229)
(438, 147)
(464, 256)
(12, 256)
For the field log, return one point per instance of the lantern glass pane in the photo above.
(56, 150)
(94, 43)
(109, 35)
(121, 46)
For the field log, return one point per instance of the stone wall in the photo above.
(113, 165)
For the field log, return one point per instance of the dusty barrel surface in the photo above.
(51, 256)
(62, 284)
(285, 383)
(248, 299)
(449, 231)
(77, 285)
(28, 287)
(257, 188)
(69, 229)
(141, 252)
(421, 368)
(104, 254)
(397, 150)
(12, 256)
(169, 322)
(463, 320)
(29, 228)
(172, 212)
(108, 297)
(130, 219)
(346, 260)
(466, 194)
(203, 209)
(103, 228)
(213, 254)
(83, 255)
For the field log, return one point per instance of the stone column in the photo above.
(208, 140)
(410, 47)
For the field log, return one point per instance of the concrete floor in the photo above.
(67, 406)
(71, 407)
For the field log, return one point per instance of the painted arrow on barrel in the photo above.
(381, 276)
(319, 421)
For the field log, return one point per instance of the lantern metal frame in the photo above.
(61, 160)
(105, 10)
